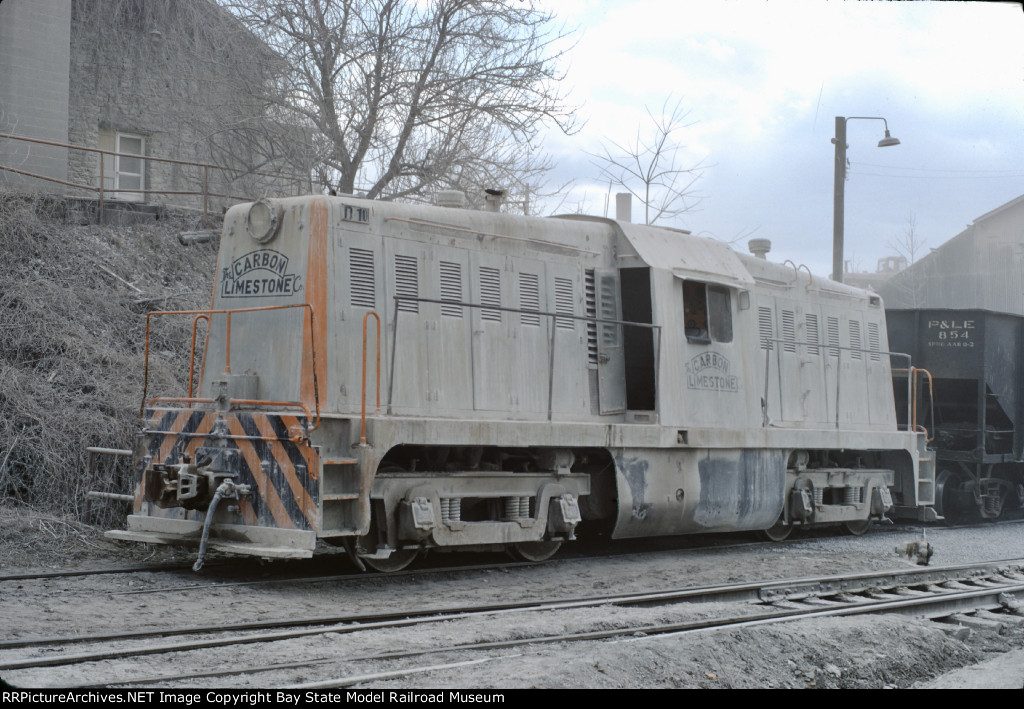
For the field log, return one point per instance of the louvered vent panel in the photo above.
(529, 297)
(490, 292)
(563, 303)
(832, 333)
(764, 326)
(591, 304)
(609, 310)
(362, 288)
(451, 289)
(788, 331)
(874, 341)
(407, 283)
(812, 334)
(855, 341)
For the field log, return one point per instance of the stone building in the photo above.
(982, 268)
(174, 79)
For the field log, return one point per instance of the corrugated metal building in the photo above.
(982, 268)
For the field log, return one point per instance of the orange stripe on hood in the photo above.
(316, 296)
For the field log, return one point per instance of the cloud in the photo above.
(764, 82)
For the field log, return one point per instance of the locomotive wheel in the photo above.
(533, 551)
(857, 527)
(398, 560)
(949, 498)
(778, 532)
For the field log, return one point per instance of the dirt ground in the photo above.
(866, 652)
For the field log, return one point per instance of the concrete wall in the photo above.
(34, 60)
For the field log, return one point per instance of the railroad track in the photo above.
(115, 658)
(215, 571)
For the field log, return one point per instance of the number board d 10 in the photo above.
(360, 215)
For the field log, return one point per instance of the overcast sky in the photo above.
(763, 82)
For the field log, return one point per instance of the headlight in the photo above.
(262, 221)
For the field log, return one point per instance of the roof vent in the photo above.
(760, 247)
(450, 198)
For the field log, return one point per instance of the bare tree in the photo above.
(649, 166)
(909, 244)
(404, 97)
(909, 283)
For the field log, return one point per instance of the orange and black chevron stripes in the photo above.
(290, 470)
(268, 452)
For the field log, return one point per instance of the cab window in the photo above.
(707, 313)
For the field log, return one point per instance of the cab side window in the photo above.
(707, 313)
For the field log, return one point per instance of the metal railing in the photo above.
(914, 379)
(227, 313)
(302, 183)
(825, 350)
(91, 477)
(362, 415)
(537, 313)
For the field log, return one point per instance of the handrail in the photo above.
(824, 347)
(931, 396)
(227, 312)
(915, 374)
(100, 190)
(362, 429)
(192, 353)
(242, 402)
(553, 316)
(796, 272)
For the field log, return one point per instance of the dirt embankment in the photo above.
(73, 302)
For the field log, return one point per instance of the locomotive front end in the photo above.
(231, 465)
(248, 473)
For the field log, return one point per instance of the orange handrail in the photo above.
(362, 420)
(931, 395)
(192, 353)
(206, 313)
(243, 402)
(914, 375)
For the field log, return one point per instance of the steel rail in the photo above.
(940, 604)
(971, 599)
(761, 591)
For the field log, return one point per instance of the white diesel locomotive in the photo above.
(397, 378)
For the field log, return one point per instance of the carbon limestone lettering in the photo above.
(259, 274)
(710, 371)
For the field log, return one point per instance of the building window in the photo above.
(127, 169)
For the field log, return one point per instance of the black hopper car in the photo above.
(971, 401)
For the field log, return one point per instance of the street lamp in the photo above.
(840, 194)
